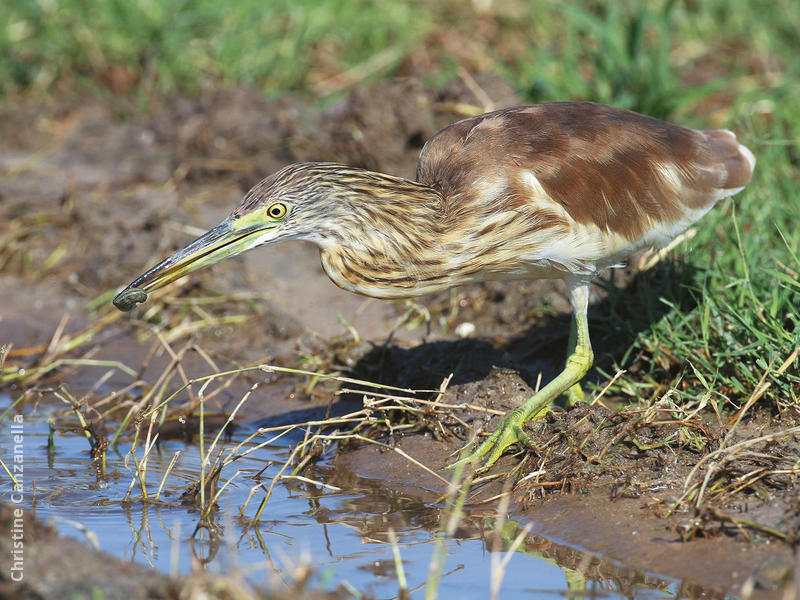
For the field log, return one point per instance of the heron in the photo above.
(558, 191)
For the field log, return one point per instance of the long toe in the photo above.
(508, 434)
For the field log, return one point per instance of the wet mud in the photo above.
(92, 194)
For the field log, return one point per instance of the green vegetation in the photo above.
(654, 56)
(180, 45)
(741, 332)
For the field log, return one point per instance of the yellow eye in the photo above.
(277, 210)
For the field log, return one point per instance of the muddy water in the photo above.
(342, 535)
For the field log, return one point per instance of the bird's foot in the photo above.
(510, 430)
(508, 434)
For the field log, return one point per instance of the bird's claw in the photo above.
(508, 434)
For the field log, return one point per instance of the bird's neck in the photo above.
(386, 235)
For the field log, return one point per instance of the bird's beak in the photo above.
(229, 238)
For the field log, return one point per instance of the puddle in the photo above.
(341, 535)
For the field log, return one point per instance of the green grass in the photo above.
(733, 318)
(178, 45)
(746, 287)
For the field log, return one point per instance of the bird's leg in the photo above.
(578, 363)
(575, 393)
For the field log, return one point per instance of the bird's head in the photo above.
(293, 204)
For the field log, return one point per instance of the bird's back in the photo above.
(616, 179)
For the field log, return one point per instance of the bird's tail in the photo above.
(736, 160)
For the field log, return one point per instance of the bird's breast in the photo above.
(454, 263)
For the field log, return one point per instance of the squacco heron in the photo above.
(556, 190)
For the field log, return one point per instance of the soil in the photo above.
(91, 194)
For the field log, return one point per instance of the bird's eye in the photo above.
(277, 210)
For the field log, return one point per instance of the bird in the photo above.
(559, 190)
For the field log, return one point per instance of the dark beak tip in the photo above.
(128, 298)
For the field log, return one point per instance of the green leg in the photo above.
(575, 393)
(578, 363)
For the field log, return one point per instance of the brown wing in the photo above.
(617, 169)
